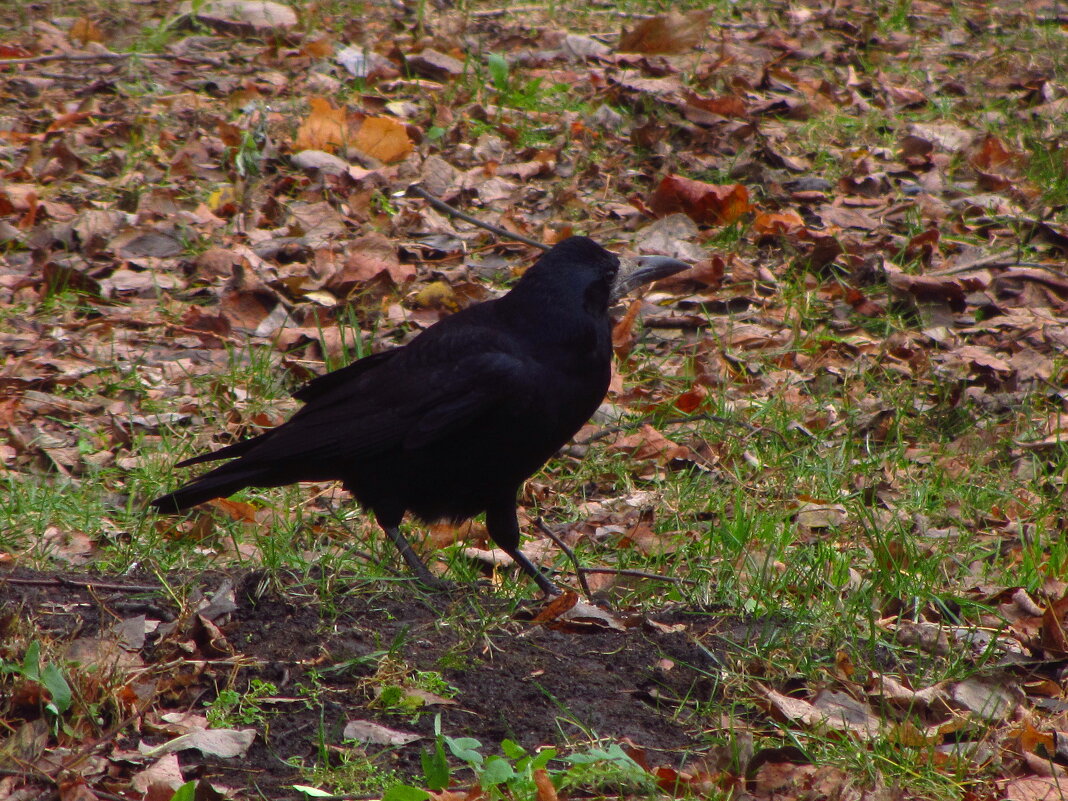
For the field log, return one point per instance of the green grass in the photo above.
(936, 497)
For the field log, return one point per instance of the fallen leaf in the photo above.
(1036, 788)
(383, 138)
(325, 128)
(674, 32)
(160, 779)
(224, 743)
(241, 15)
(368, 732)
(702, 202)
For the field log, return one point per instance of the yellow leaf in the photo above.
(437, 295)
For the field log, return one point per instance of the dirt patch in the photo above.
(531, 684)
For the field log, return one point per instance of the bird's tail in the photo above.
(219, 483)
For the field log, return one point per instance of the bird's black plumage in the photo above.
(451, 424)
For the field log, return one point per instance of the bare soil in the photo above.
(529, 683)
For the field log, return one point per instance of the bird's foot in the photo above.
(543, 582)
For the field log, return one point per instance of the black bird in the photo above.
(453, 423)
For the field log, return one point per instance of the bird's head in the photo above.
(581, 268)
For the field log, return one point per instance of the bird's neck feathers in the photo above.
(573, 278)
(544, 297)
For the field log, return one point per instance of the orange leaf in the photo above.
(783, 222)
(673, 32)
(383, 138)
(724, 105)
(235, 510)
(546, 790)
(324, 129)
(84, 30)
(623, 331)
(318, 48)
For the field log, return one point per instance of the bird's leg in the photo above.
(411, 558)
(533, 571)
(503, 527)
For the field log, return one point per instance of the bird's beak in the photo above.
(644, 270)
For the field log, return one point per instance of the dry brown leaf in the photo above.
(990, 701)
(648, 443)
(241, 15)
(821, 515)
(325, 128)
(366, 258)
(383, 138)
(674, 32)
(84, 30)
(367, 731)
(702, 202)
(225, 743)
(776, 223)
(844, 713)
(582, 614)
(160, 779)
(906, 97)
(623, 331)
(546, 789)
(247, 308)
(1036, 788)
(723, 106)
(890, 689)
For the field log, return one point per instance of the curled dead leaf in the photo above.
(702, 202)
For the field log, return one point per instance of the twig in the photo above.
(686, 323)
(500, 12)
(28, 776)
(570, 555)
(441, 205)
(997, 261)
(581, 572)
(106, 57)
(626, 571)
(230, 661)
(83, 585)
(608, 431)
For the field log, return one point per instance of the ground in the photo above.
(514, 679)
(826, 489)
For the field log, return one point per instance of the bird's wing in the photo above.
(316, 388)
(402, 405)
(477, 384)
(325, 384)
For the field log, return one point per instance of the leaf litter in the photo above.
(236, 189)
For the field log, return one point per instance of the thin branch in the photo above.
(59, 581)
(441, 205)
(608, 431)
(626, 571)
(4, 62)
(500, 12)
(687, 322)
(995, 262)
(581, 572)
